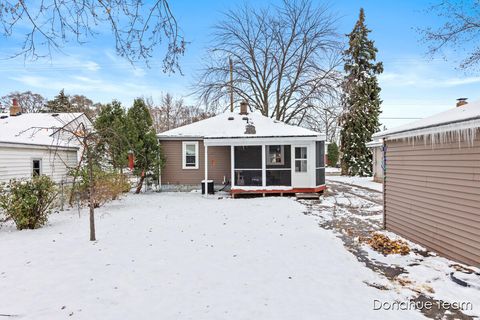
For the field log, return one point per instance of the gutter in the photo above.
(426, 127)
(38, 145)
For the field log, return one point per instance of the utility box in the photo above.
(209, 187)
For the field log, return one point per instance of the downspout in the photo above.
(384, 167)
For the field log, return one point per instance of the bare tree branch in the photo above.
(138, 27)
(284, 58)
(460, 31)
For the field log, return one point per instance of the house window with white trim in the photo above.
(190, 154)
(36, 167)
(300, 159)
(275, 155)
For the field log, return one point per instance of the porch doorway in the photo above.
(300, 172)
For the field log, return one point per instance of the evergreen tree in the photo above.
(143, 141)
(111, 126)
(361, 101)
(61, 103)
(332, 157)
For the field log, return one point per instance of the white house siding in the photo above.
(16, 161)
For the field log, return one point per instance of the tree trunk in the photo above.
(91, 191)
(140, 184)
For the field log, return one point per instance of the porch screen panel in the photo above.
(320, 154)
(320, 176)
(278, 165)
(248, 166)
(320, 163)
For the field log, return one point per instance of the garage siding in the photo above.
(173, 173)
(432, 196)
(16, 162)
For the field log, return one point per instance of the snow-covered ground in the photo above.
(183, 256)
(332, 170)
(352, 213)
(364, 182)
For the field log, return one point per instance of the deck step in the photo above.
(310, 195)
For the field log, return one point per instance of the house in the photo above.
(376, 146)
(432, 183)
(34, 144)
(248, 152)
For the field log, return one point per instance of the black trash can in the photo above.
(209, 187)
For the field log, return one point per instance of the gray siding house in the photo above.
(432, 183)
(247, 152)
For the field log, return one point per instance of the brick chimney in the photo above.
(15, 109)
(243, 108)
(461, 102)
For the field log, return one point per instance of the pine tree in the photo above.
(111, 126)
(361, 101)
(61, 103)
(143, 141)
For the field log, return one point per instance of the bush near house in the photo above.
(108, 186)
(332, 157)
(28, 202)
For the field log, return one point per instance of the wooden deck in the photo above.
(281, 192)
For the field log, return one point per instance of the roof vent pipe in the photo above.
(461, 102)
(243, 108)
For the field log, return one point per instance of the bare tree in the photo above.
(29, 102)
(172, 112)
(137, 27)
(460, 30)
(284, 59)
(324, 118)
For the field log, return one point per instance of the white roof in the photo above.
(466, 117)
(35, 128)
(221, 127)
(374, 144)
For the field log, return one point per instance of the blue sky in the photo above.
(413, 86)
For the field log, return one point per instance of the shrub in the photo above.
(28, 202)
(107, 186)
(332, 156)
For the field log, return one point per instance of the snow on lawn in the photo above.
(332, 170)
(182, 256)
(364, 182)
(434, 271)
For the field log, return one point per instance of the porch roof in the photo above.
(231, 125)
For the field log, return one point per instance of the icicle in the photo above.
(465, 132)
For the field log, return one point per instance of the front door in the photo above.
(300, 174)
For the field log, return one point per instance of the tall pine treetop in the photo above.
(361, 55)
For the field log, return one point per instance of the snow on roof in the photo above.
(35, 128)
(221, 127)
(463, 120)
(374, 143)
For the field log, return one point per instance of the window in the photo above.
(190, 154)
(300, 159)
(36, 167)
(275, 155)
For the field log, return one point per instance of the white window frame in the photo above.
(282, 152)
(40, 164)
(295, 159)
(184, 155)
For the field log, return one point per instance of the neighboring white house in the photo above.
(34, 143)
(378, 164)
